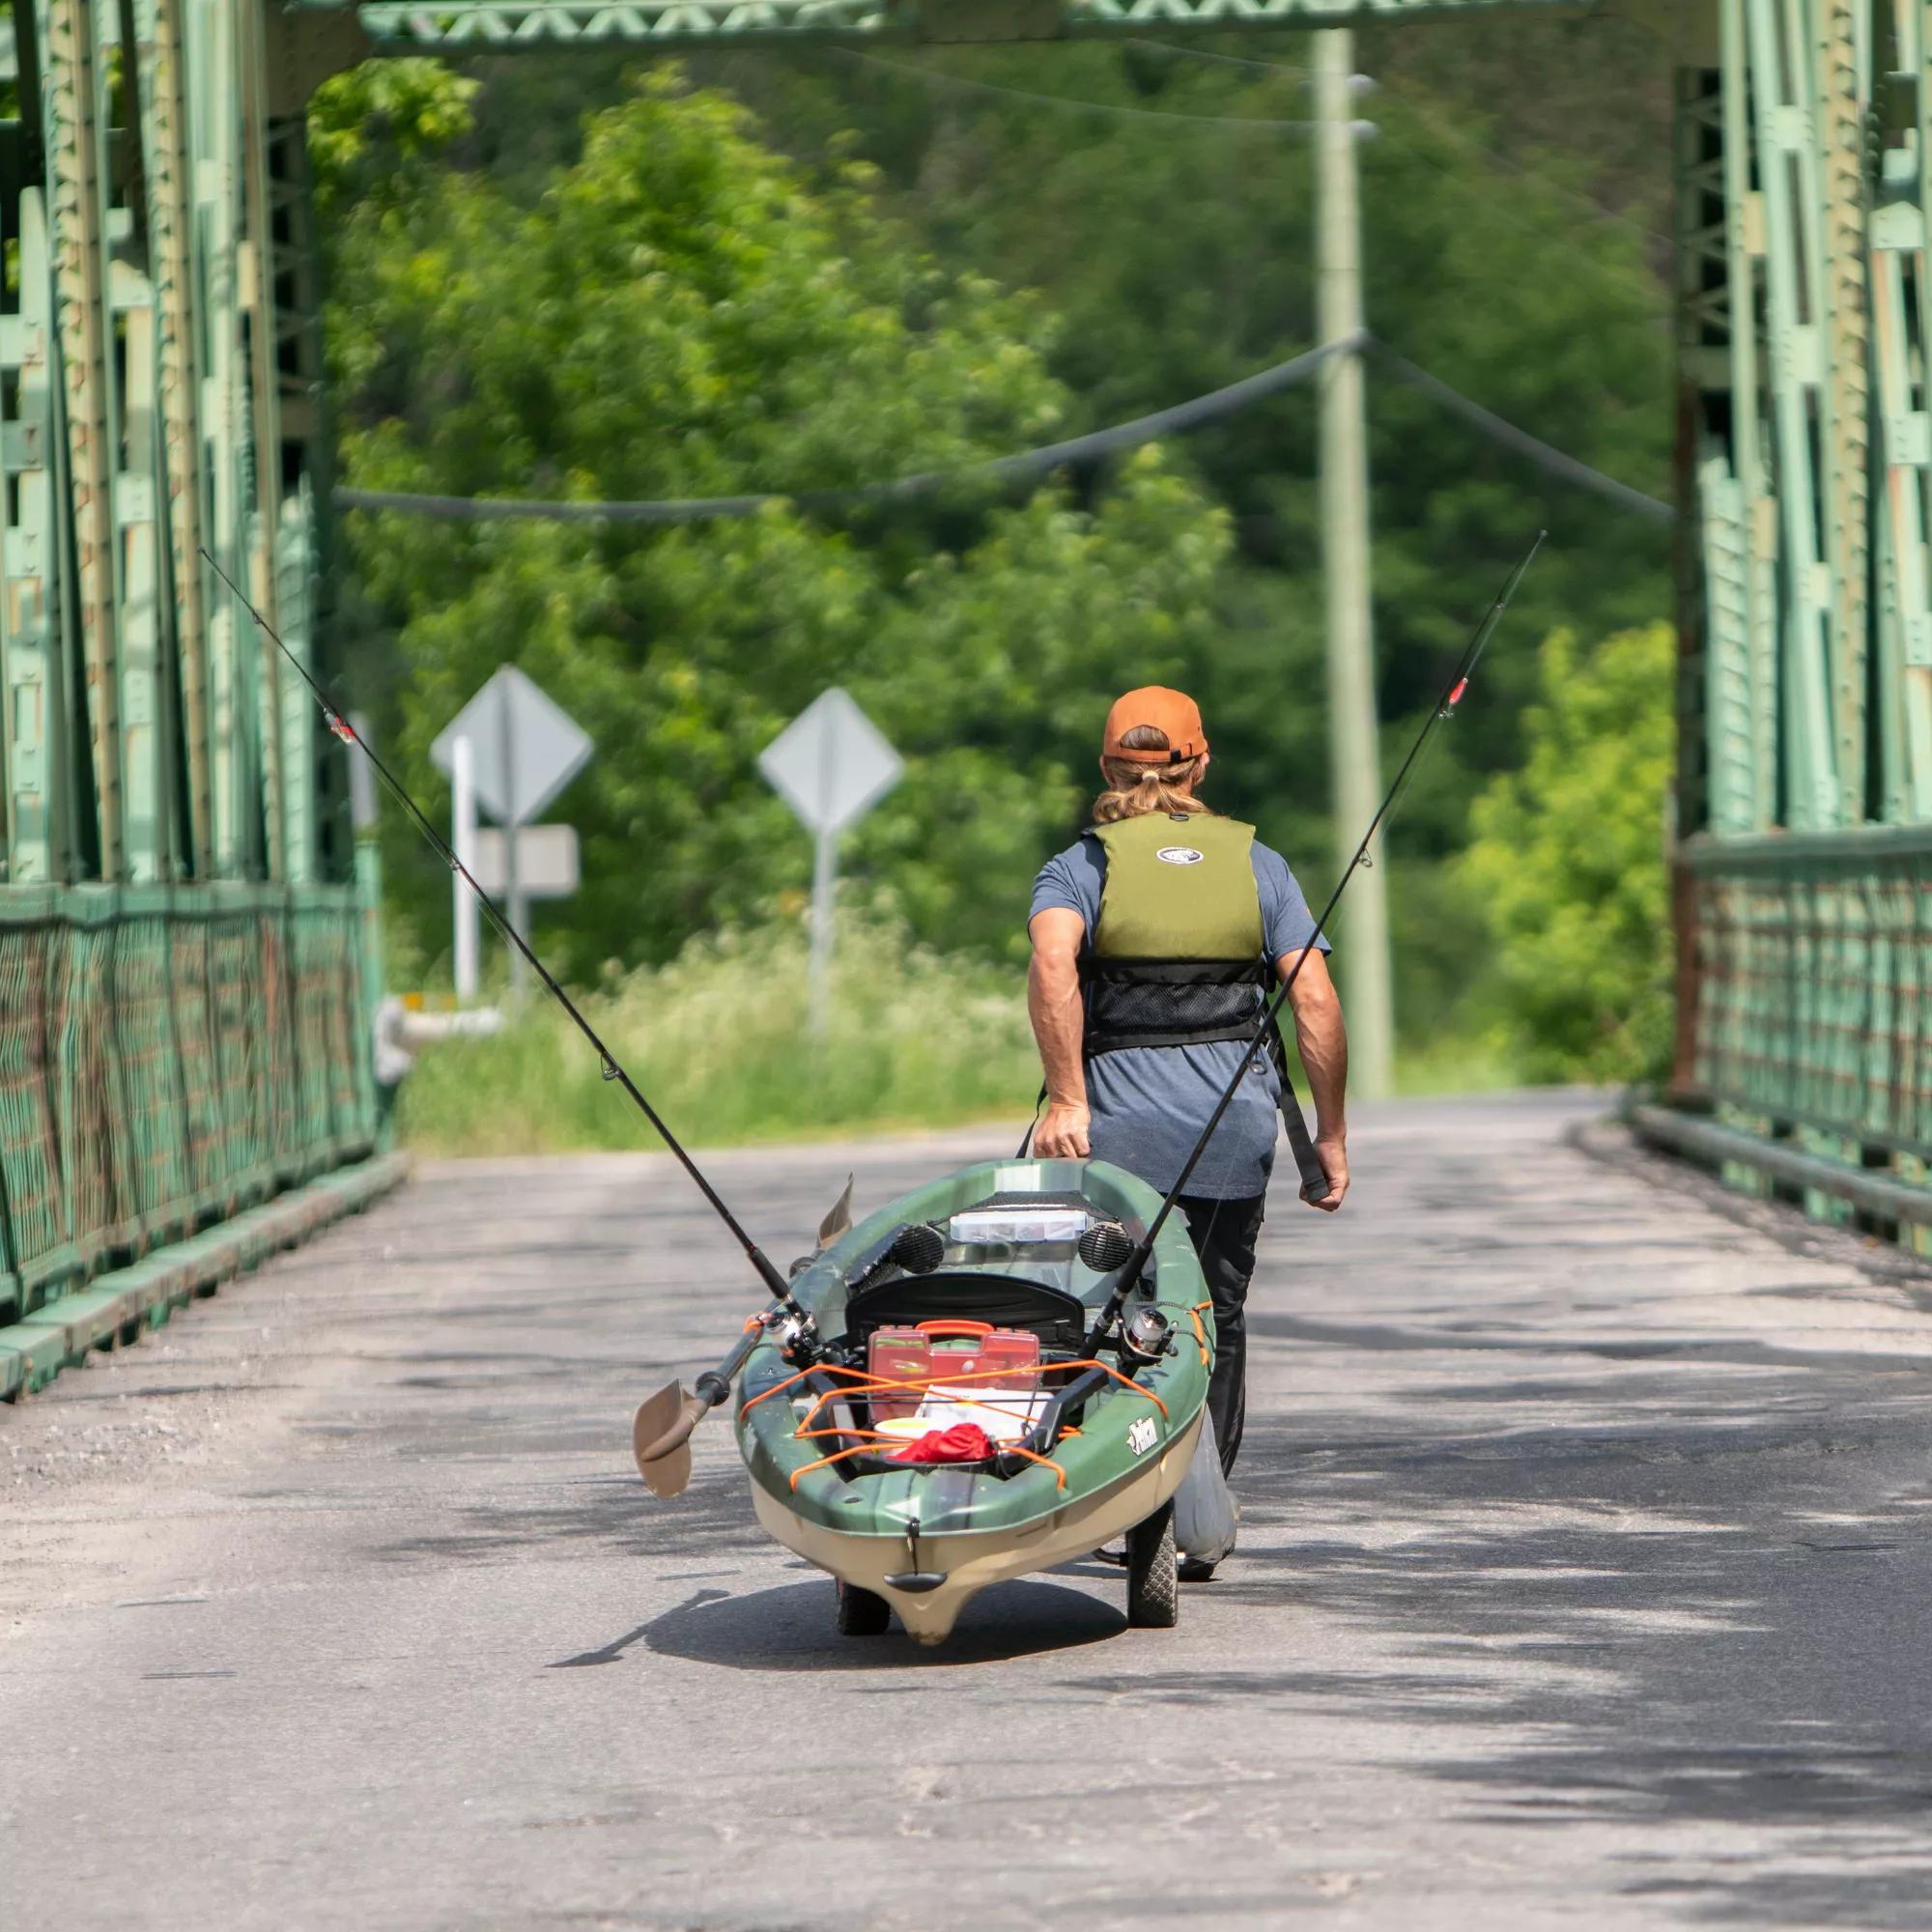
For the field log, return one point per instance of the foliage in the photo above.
(370, 129)
(718, 1038)
(611, 302)
(1568, 859)
(913, 1038)
(1513, 250)
(682, 315)
(1513, 202)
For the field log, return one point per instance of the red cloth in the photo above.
(963, 1442)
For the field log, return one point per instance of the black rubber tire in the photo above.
(862, 1612)
(1153, 1589)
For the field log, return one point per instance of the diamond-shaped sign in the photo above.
(830, 763)
(524, 748)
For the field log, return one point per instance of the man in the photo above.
(1153, 939)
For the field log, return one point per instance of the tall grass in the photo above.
(719, 1040)
(720, 1043)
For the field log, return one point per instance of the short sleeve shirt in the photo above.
(1150, 1104)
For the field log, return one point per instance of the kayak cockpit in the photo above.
(994, 1384)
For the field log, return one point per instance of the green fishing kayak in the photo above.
(1002, 1249)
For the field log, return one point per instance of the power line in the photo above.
(1175, 420)
(1442, 125)
(1506, 434)
(1221, 60)
(939, 77)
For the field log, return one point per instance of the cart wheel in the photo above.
(1153, 1591)
(862, 1612)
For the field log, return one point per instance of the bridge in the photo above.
(1582, 1486)
(185, 913)
(1581, 1582)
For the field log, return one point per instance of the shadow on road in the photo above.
(1707, 1598)
(789, 1628)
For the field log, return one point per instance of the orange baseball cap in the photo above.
(1172, 713)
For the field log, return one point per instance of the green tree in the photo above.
(1513, 202)
(682, 314)
(1568, 863)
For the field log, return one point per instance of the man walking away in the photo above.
(1154, 940)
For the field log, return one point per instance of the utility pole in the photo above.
(1354, 757)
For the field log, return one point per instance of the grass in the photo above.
(719, 1042)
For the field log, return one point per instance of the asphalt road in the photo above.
(1584, 1583)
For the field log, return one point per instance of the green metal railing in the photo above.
(168, 1057)
(1810, 1029)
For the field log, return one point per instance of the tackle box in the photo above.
(945, 1352)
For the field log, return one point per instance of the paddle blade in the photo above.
(840, 1219)
(668, 1471)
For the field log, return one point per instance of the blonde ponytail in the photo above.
(1134, 789)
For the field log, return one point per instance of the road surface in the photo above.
(1584, 1583)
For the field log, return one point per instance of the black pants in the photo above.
(1224, 1234)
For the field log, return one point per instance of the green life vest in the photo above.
(1178, 957)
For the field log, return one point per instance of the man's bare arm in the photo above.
(1059, 1015)
(1324, 1044)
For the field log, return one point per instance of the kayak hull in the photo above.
(966, 1563)
(947, 1531)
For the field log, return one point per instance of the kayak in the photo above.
(959, 1322)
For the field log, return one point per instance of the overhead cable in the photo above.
(1442, 125)
(1220, 60)
(1178, 420)
(1175, 421)
(939, 77)
(1542, 454)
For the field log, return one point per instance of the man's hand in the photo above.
(1063, 1134)
(1333, 1154)
(1057, 1014)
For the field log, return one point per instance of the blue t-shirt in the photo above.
(1150, 1102)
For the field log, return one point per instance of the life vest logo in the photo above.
(1179, 855)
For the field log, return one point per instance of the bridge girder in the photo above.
(160, 390)
(508, 27)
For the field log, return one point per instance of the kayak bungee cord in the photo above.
(1452, 695)
(612, 1068)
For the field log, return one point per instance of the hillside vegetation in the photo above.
(807, 271)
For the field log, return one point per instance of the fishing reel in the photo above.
(796, 1332)
(1145, 1336)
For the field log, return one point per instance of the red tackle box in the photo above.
(943, 1351)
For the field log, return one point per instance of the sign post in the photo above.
(463, 841)
(831, 765)
(523, 749)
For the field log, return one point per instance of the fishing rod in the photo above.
(1452, 695)
(614, 1068)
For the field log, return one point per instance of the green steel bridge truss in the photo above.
(181, 917)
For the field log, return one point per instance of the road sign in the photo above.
(546, 861)
(522, 751)
(830, 763)
(525, 748)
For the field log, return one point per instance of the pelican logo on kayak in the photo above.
(1141, 1435)
(1179, 855)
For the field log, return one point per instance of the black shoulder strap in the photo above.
(1314, 1181)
